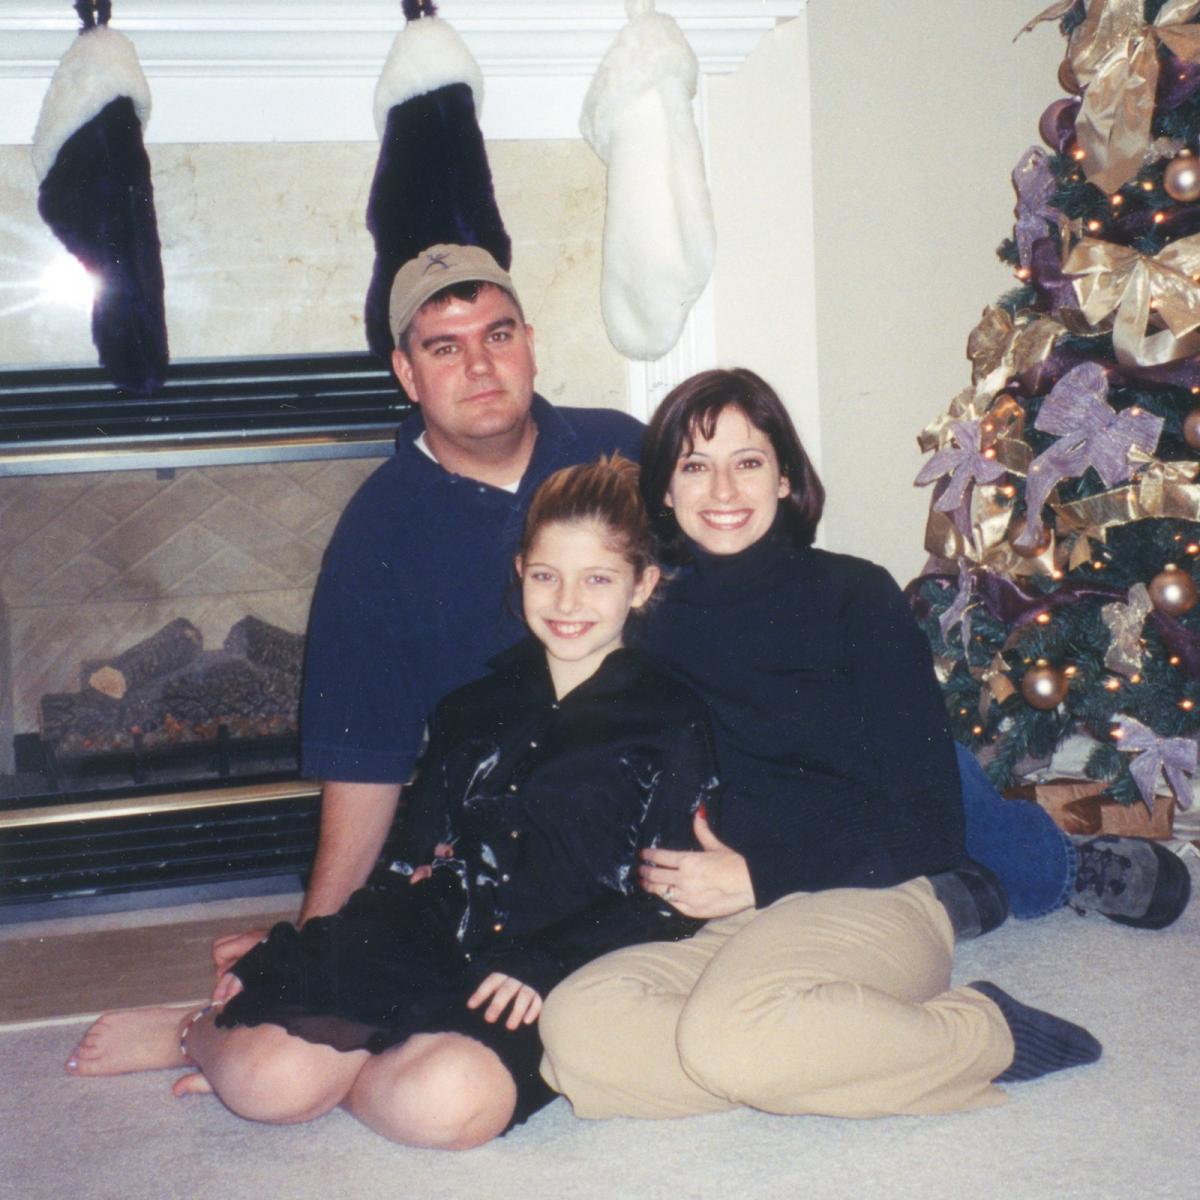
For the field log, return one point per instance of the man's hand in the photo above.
(711, 882)
(441, 850)
(225, 953)
(503, 989)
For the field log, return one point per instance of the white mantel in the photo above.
(297, 70)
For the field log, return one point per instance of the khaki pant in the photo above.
(835, 1002)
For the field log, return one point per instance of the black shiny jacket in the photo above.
(546, 806)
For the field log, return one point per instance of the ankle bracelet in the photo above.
(183, 1035)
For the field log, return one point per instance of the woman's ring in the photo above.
(669, 892)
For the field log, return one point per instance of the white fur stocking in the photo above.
(659, 241)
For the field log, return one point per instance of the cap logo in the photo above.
(436, 260)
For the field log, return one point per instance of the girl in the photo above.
(415, 1007)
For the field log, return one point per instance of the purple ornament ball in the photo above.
(1057, 125)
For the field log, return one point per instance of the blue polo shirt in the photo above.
(417, 592)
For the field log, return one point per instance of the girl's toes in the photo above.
(192, 1084)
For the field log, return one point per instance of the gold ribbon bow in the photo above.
(1125, 621)
(1164, 489)
(1002, 346)
(999, 348)
(995, 684)
(987, 543)
(1114, 57)
(1112, 278)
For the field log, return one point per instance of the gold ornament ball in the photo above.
(1044, 686)
(1191, 429)
(1181, 179)
(1172, 591)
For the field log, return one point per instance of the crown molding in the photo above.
(296, 70)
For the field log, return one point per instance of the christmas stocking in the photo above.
(432, 181)
(94, 192)
(659, 240)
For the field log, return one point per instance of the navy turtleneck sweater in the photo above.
(837, 765)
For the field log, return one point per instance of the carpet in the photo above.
(1125, 1128)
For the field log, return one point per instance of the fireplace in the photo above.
(157, 558)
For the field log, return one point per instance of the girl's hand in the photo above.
(711, 882)
(501, 989)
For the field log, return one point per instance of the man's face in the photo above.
(470, 366)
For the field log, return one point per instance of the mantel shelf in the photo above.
(269, 70)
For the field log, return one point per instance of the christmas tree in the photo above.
(1064, 528)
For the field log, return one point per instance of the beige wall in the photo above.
(759, 163)
(920, 111)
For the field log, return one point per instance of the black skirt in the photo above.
(385, 967)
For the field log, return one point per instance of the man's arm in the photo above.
(355, 821)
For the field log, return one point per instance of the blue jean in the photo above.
(1031, 856)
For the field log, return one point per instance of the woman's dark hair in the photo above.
(693, 408)
(604, 493)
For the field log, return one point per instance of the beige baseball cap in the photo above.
(438, 267)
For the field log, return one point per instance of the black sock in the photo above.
(1042, 1042)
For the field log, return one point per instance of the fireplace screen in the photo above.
(152, 637)
(154, 620)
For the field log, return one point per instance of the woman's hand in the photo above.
(501, 989)
(711, 882)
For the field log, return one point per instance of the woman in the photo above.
(821, 983)
(415, 1007)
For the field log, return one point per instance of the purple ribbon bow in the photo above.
(1035, 184)
(1174, 757)
(960, 609)
(965, 463)
(1093, 435)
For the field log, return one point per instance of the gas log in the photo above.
(168, 690)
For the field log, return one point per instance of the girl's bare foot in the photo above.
(192, 1084)
(136, 1039)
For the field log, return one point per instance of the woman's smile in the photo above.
(726, 520)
